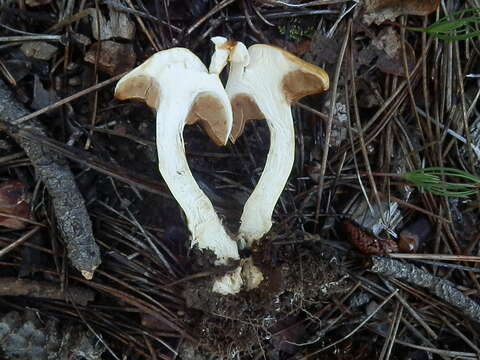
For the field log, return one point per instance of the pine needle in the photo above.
(457, 183)
(460, 28)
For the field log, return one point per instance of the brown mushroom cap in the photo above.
(211, 114)
(147, 81)
(308, 79)
(141, 88)
(244, 109)
(297, 78)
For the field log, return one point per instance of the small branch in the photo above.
(43, 289)
(438, 257)
(27, 116)
(31, 38)
(443, 289)
(69, 205)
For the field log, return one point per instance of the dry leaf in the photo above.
(385, 52)
(114, 58)
(38, 50)
(380, 10)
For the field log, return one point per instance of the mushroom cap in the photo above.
(219, 60)
(179, 73)
(270, 69)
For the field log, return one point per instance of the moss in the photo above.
(295, 30)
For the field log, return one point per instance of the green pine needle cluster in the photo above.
(461, 25)
(444, 181)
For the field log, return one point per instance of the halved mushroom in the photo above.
(177, 84)
(262, 84)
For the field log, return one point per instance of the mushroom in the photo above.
(177, 84)
(262, 84)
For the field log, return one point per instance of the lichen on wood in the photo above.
(441, 288)
(52, 169)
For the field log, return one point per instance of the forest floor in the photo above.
(370, 255)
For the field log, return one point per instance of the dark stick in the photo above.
(69, 205)
(44, 289)
(443, 289)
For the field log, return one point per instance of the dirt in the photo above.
(297, 283)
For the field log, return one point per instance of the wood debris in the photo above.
(118, 25)
(443, 289)
(71, 213)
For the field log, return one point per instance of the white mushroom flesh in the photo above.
(177, 80)
(262, 82)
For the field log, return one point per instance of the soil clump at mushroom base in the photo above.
(298, 281)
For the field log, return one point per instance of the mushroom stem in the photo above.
(262, 84)
(257, 212)
(205, 226)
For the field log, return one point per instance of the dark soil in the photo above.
(296, 286)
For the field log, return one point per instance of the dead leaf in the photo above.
(385, 52)
(378, 11)
(114, 58)
(322, 50)
(38, 50)
(13, 201)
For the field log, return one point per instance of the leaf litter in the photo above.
(402, 94)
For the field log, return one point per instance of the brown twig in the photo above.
(62, 102)
(45, 289)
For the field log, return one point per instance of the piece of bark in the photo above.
(72, 216)
(28, 336)
(44, 289)
(119, 25)
(441, 288)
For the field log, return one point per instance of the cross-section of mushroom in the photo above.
(177, 84)
(262, 84)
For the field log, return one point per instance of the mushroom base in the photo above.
(293, 286)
